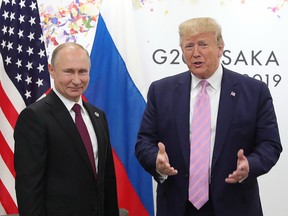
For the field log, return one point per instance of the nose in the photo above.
(196, 52)
(76, 79)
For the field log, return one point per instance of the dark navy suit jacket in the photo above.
(246, 120)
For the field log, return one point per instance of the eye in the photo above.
(189, 46)
(203, 44)
(68, 71)
(83, 71)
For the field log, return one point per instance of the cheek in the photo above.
(64, 81)
(187, 56)
(85, 80)
(211, 56)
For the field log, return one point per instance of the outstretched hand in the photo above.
(162, 162)
(241, 171)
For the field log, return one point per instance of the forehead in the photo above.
(204, 36)
(71, 55)
(71, 50)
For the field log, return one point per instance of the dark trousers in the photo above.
(206, 210)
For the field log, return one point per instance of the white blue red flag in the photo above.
(114, 86)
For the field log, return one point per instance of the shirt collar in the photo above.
(68, 103)
(214, 80)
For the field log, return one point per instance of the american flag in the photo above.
(24, 78)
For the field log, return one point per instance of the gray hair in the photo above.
(62, 46)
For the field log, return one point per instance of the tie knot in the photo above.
(76, 108)
(204, 84)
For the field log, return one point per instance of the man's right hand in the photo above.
(162, 162)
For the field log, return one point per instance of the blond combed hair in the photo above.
(200, 25)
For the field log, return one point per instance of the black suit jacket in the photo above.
(53, 172)
(246, 120)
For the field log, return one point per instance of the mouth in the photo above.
(75, 89)
(197, 64)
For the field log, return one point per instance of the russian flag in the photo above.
(116, 82)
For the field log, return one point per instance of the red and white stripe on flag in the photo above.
(24, 78)
(10, 105)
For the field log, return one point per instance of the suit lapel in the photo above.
(228, 99)
(63, 117)
(182, 104)
(96, 120)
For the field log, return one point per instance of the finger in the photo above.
(172, 171)
(240, 154)
(161, 147)
(234, 177)
(231, 180)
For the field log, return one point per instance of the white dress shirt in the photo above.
(213, 90)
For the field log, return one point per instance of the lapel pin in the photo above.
(233, 94)
(96, 114)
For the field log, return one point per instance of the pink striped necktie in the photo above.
(200, 149)
(81, 126)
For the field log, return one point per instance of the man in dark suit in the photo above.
(243, 137)
(54, 176)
